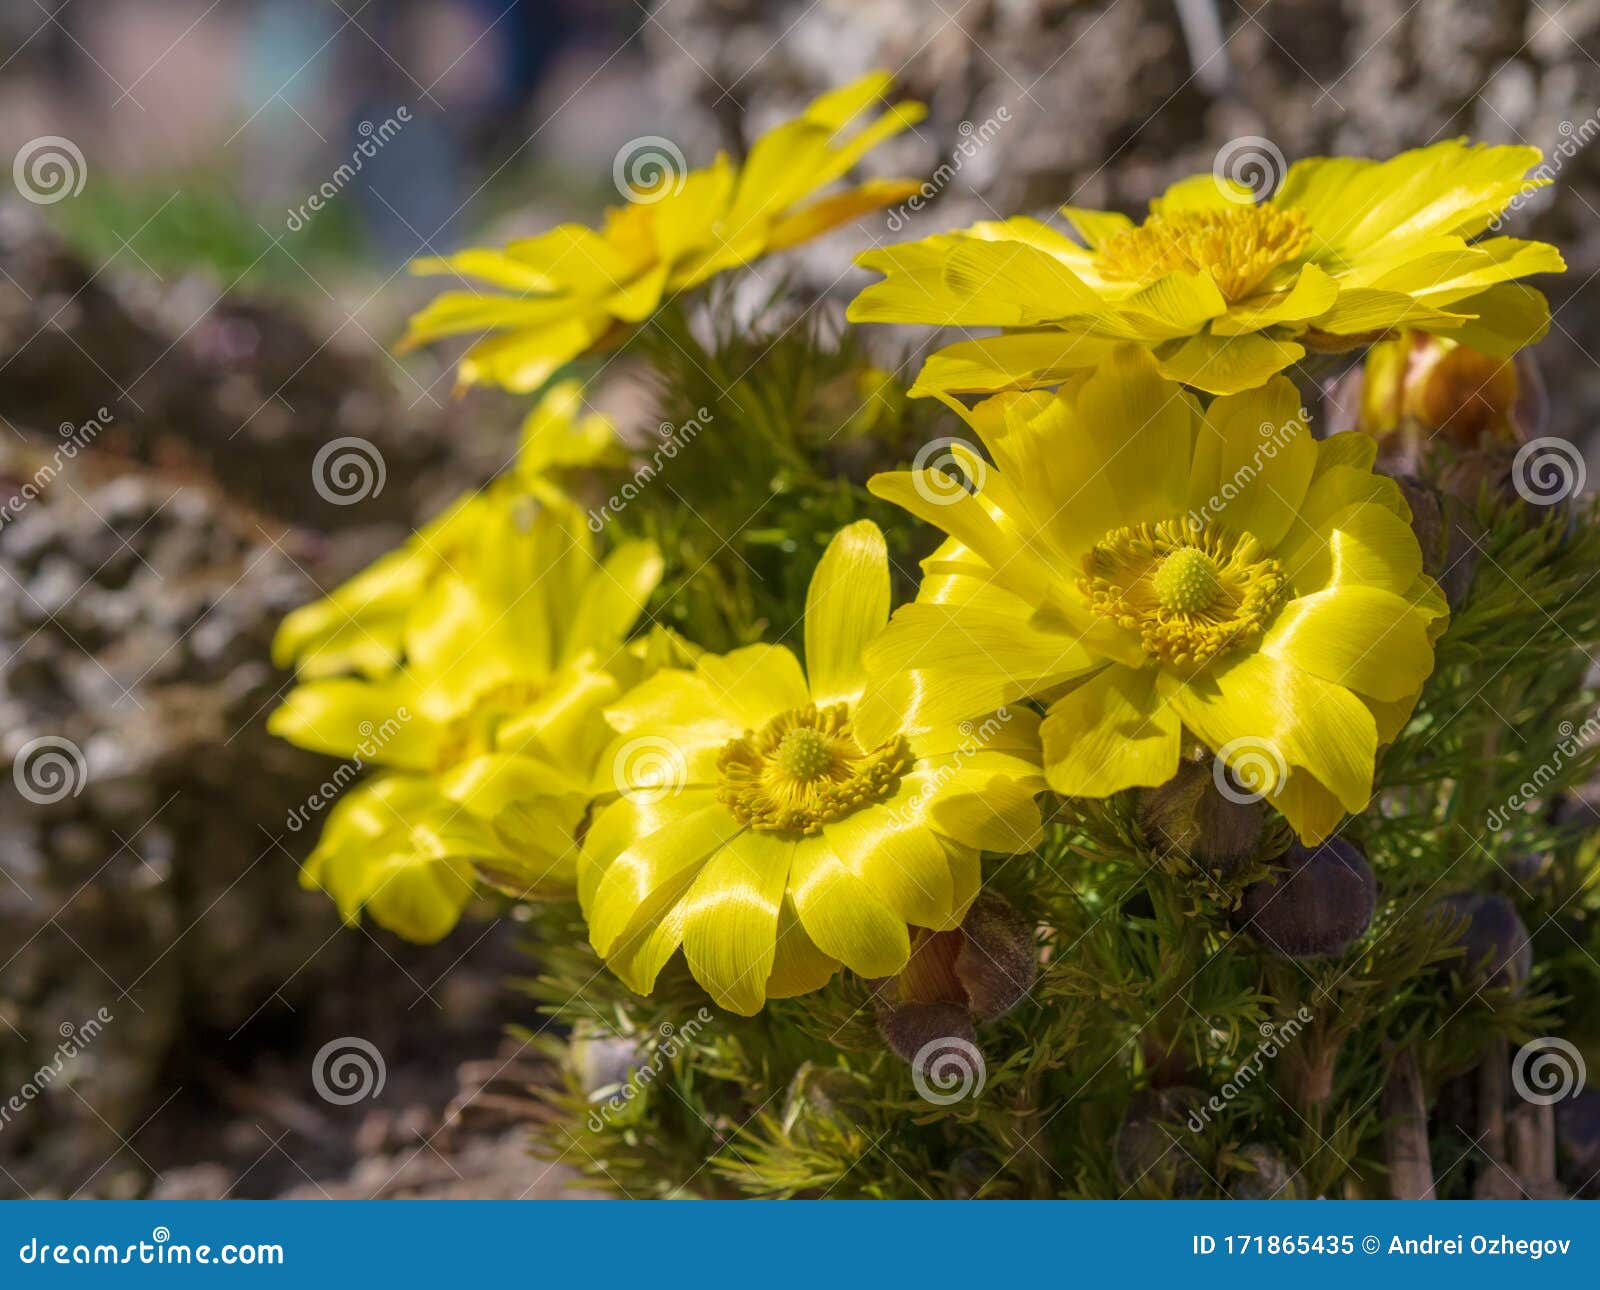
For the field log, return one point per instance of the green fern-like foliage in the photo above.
(1160, 1053)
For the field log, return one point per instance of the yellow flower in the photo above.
(492, 713)
(358, 626)
(776, 825)
(1146, 569)
(574, 288)
(1227, 291)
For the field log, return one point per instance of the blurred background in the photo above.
(197, 291)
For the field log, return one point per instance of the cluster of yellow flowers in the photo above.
(1138, 571)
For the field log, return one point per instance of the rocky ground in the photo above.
(160, 964)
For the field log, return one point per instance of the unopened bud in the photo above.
(1318, 901)
(1264, 1175)
(1578, 1142)
(913, 1028)
(812, 1104)
(1189, 816)
(1416, 393)
(998, 961)
(1154, 1146)
(1497, 950)
(985, 966)
(1445, 528)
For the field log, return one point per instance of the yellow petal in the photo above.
(1228, 364)
(1141, 428)
(1003, 816)
(1113, 731)
(842, 915)
(1363, 638)
(650, 875)
(730, 929)
(754, 684)
(840, 208)
(891, 848)
(1506, 318)
(612, 600)
(938, 664)
(847, 604)
(1362, 545)
(1201, 192)
(1258, 706)
(1263, 456)
(1312, 294)
(798, 966)
(1012, 284)
(342, 717)
(1093, 226)
(1021, 360)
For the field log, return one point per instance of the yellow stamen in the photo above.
(1238, 246)
(1192, 591)
(804, 769)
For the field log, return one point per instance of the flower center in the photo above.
(804, 769)
(1238, 246)
(1192, 591)
(472, 733)
(1186, 581)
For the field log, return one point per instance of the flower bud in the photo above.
(1417, 392)
(986, 965)
(998, 961)
(913, 1028)
(1189, 816)
(1264, 1176)
(814, 1100)
(1445, 530)
(970, 1172)
(1318, 901)
(953, 979)
(1578, 1142)
(1497, 948)
(1153, 1146)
